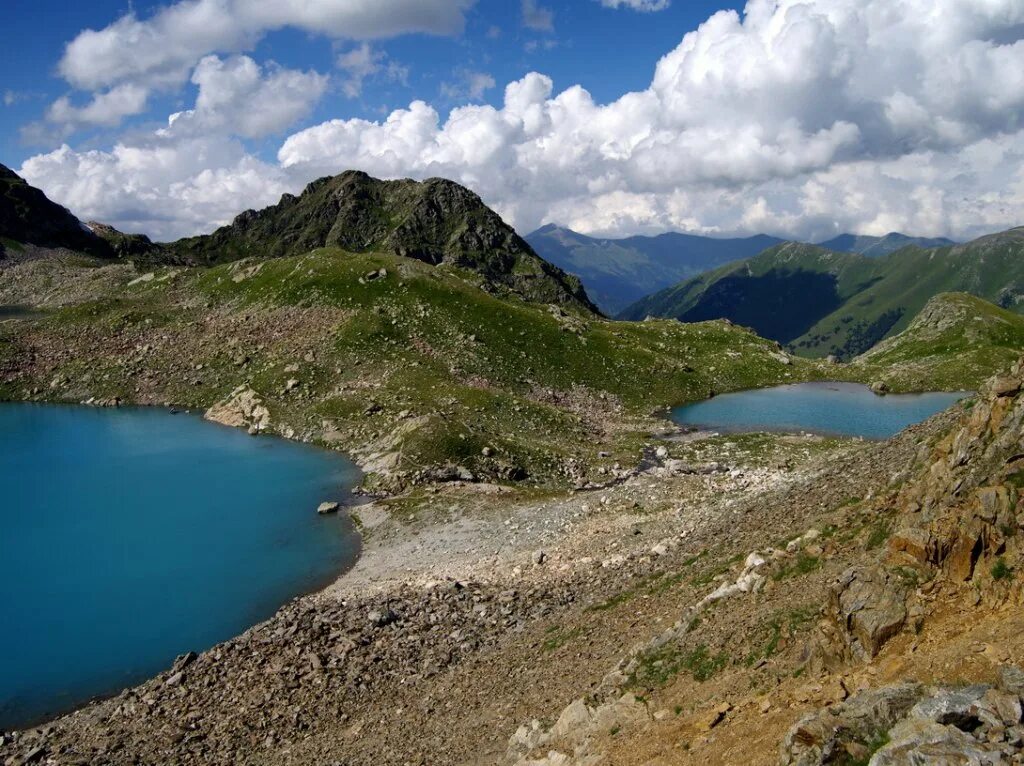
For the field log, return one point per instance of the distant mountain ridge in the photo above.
(874, 247)
(617, 272)
(620, 271)
(820, 302)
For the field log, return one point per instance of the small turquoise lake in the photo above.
(831, 409)
(131, 536)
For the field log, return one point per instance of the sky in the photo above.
(798, 118)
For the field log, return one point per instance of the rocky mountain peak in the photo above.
(436, 221)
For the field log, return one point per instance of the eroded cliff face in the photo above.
(958, 524)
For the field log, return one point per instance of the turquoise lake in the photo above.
(133, 535)
(834, 409)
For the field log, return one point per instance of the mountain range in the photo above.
(619, 272)
(821, 302)
(815, 300)
(875, 247)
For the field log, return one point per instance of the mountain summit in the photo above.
(874, 247)
(435, 221)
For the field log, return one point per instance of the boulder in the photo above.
(829, 735)
(573, 724)
(711, 718)
(917, 741)
(1011, 679)
(912, 543)
(242, 408)
(951, 707)
(880, 388)
(327, 507)
(870, 605)
(1004, 385)
(525, 739)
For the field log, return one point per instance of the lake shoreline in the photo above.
(391, 556)
(121, 476)
(825, 408)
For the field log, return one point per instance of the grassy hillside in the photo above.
(779, 292)
(405, 365)
(956, 341)
(819, 302)
(991, 267)
(617, 272)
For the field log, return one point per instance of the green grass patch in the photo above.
(617, 600)
(1001, 570)
(804, 564)
(872, 745)
(658, 667)
(789, 622)
(879, 532)
(559, 637)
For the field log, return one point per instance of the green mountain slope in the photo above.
(780, 293)
(617, 272)
(878, 246)
(435, 221)
(820, 302)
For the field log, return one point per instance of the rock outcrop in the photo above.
(957, 520)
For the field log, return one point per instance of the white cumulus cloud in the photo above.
(235, 97)
(797, 117)
(107, 108)
(161, 50)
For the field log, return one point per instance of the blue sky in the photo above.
(799, 118)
